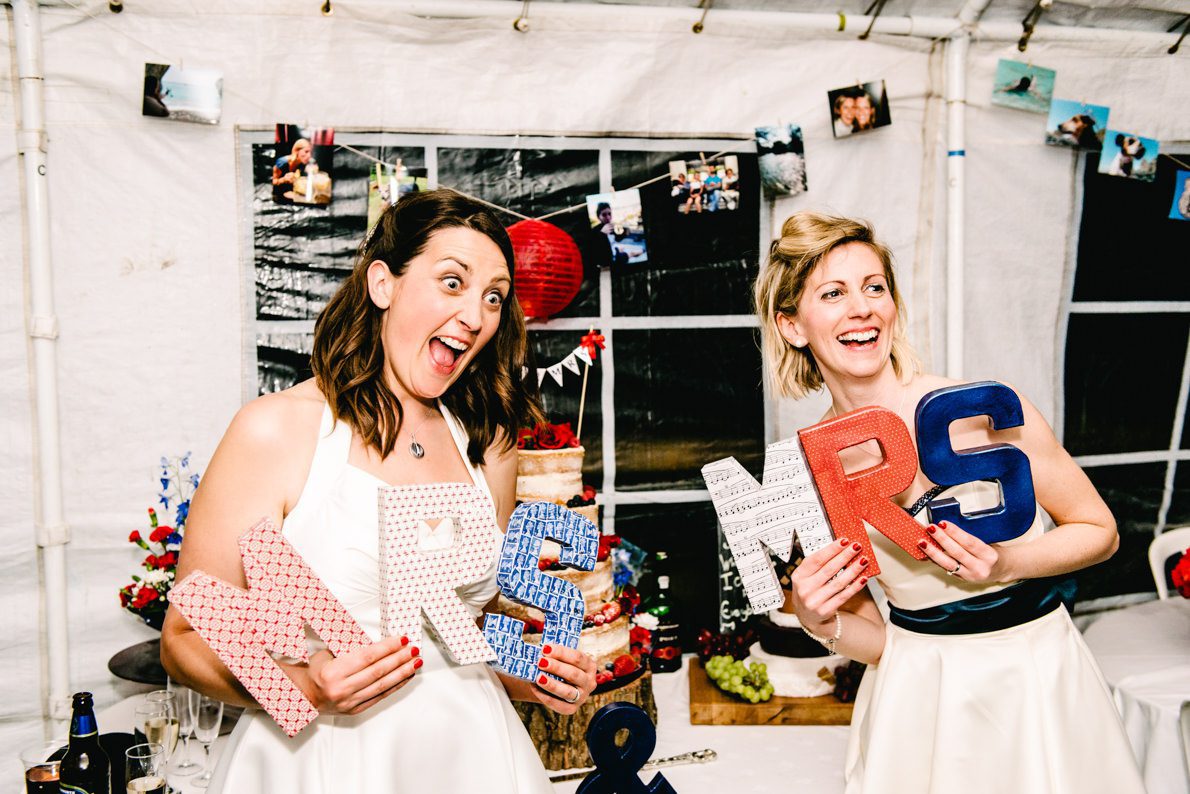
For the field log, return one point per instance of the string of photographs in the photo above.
(711, 184)
(1084, 126)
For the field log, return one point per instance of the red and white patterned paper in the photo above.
(241, 627)
(866, 495)
(414, 579)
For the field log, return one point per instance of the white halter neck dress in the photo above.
(451, 728)
(1018, 710)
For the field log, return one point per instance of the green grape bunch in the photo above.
(747, 682)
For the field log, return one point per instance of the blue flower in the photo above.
(164, 463)
(193, 480)
(173, 538)
(182, 514)
(186, 460)
(164, 500)
(164, 483)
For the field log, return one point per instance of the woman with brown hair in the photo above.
(417, 379)
(979, 681)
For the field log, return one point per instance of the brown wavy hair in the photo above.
(348, 358)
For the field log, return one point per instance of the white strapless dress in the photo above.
(1023, 710)
(450, 729)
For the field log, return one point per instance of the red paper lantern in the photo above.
(549, 267)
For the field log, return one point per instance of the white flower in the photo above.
(646, 621)
(157, 576)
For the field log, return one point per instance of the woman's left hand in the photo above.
(577, 671)
(961, 554)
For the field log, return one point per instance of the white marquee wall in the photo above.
(147, 242)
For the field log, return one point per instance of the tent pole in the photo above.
(957, 48)
(52, 534)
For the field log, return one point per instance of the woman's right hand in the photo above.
(358, 680)
(825, 581)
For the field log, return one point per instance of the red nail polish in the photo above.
(404, 640)
(546, 649)
(543, 663)
(856, 546)
(921, 544)
(931, 529)
(541, 680)
(863, 561)
(843, 542)
(417, 663)
(863, 580)
(414, 651)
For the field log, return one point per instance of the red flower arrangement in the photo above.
(1181, 575)
(547, 436)
(145, 596)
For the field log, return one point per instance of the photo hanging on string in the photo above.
(304, 169)
(1180, 210)
(698, 186)
(1076, 124)
(388, 183)
(194, 95)
(782, 160)
(1023, 86)
(617, 222)
(858, 108)
(1130, 156)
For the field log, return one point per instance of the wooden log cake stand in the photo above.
(562, 741)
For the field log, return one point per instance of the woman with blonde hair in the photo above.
(979, 681)
(417, 379)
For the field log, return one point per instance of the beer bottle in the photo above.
(85, 768)
(666, 655)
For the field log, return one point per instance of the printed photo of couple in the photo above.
(858, 108)
(698, 186)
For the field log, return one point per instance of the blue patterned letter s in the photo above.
(520, 580)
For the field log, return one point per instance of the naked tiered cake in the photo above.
(555, 475)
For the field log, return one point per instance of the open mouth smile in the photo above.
(445, 351)
(863, 339)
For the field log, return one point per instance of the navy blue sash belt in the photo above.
(1012, 606)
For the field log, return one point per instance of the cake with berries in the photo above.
(550, 469)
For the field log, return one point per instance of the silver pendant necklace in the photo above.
(416, 449)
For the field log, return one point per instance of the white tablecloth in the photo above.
(1144, 652)
(751, 757)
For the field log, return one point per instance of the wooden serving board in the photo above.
(710, 705)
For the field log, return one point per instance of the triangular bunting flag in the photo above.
(540, 377)
(570, 363)
(582, 355)
(555, 372)
(524, 372)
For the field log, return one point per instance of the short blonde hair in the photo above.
(806, 239)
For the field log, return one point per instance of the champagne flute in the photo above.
(144, 769)
(185, 703)
(168, 698)
(159, 724)
(208, 717)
